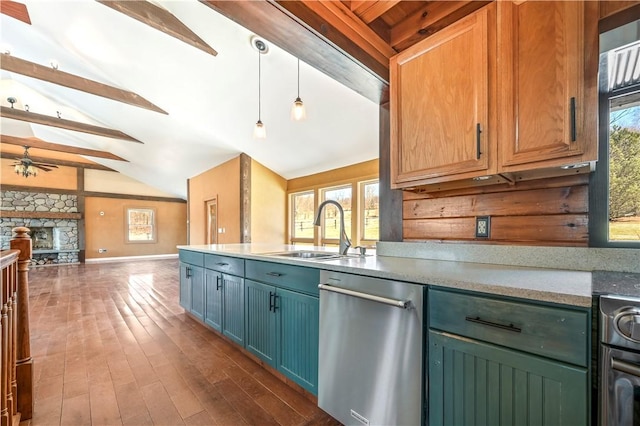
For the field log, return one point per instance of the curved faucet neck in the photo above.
(344, 240)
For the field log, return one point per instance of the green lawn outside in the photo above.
(627, 229)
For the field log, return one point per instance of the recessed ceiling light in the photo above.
(259, 44)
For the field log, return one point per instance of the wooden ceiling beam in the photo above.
(376, 10)
(58, 162)
(429, 20)
(346, 22)
(51, 75)
(299, 31)
(160, 19)
(62, 123)
(50, 146)
(15, 10)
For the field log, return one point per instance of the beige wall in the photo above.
(117, 183)
(268, 205)
(108, 230)
(223, 183)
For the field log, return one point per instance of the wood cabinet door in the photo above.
(471, 382)
(213, 299)
(299, 329)
(440, 104)
(541, 100)
(260, 318)
(233, 308)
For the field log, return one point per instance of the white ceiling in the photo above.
(212, 101)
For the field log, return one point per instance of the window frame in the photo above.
(299, 240)
(321, 198)
(599, 179)
(362, 211)
(154, 226)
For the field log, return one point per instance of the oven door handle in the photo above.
(625, 367)
(403, 304)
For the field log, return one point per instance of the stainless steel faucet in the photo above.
(344, 240)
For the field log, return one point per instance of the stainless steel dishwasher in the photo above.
(371, 343)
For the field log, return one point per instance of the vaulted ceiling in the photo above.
(171, 87)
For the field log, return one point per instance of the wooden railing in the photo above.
(16, 364)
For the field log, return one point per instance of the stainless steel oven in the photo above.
(619, 361)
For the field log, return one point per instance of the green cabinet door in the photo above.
(185, 286)
(197, 291)
(475, 383)
(299, 318)
(261, 319)
(213, 299)
(233, 308)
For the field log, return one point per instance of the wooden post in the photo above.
(24, 363)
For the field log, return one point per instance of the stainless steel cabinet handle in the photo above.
(509, 327)
(625, 367)
(274, 274)
(404, 304)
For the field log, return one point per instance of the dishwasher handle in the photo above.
(404, 304)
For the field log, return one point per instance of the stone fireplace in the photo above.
(52, 219)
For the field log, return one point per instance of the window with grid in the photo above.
(141, 225)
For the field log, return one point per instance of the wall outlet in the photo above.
(483, 226)
(102, 250)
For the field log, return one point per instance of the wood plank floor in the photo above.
(112, 346)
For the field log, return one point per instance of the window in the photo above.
(614, 219)
(302, 216)
(141, 225)
(331, 220)
(369, 217)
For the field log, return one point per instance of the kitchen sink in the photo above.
(307, 254)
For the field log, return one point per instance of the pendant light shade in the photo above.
(259, 131)
(298, 112)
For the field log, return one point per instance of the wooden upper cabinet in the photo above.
(541, 85)
(440, 104)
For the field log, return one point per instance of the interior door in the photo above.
(211, 209)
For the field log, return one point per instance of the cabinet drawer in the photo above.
(191, 257)
(228, 265)
(552, 332)
(296, 278)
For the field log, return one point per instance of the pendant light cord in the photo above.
(259, 86)
(298, 77)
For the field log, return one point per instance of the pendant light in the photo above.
(298, 112)
(259, 131)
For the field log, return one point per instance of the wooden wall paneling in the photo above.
(538, 202)
(550, 211)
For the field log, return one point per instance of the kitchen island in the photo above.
(509, 322)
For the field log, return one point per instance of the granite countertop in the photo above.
(619, 283)
(534, 283)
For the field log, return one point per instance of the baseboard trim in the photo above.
(130, 258)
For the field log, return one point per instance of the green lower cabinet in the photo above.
(213, 299)
(233, 308)
(475, 383)
(261, 320)
(299, 338)
(192, 289)
(283, 331)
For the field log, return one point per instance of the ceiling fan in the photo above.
(26, 167)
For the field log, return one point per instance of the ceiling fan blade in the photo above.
(42, 167)
(15, 10)
(46, 165)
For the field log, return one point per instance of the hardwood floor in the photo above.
(112, 346)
